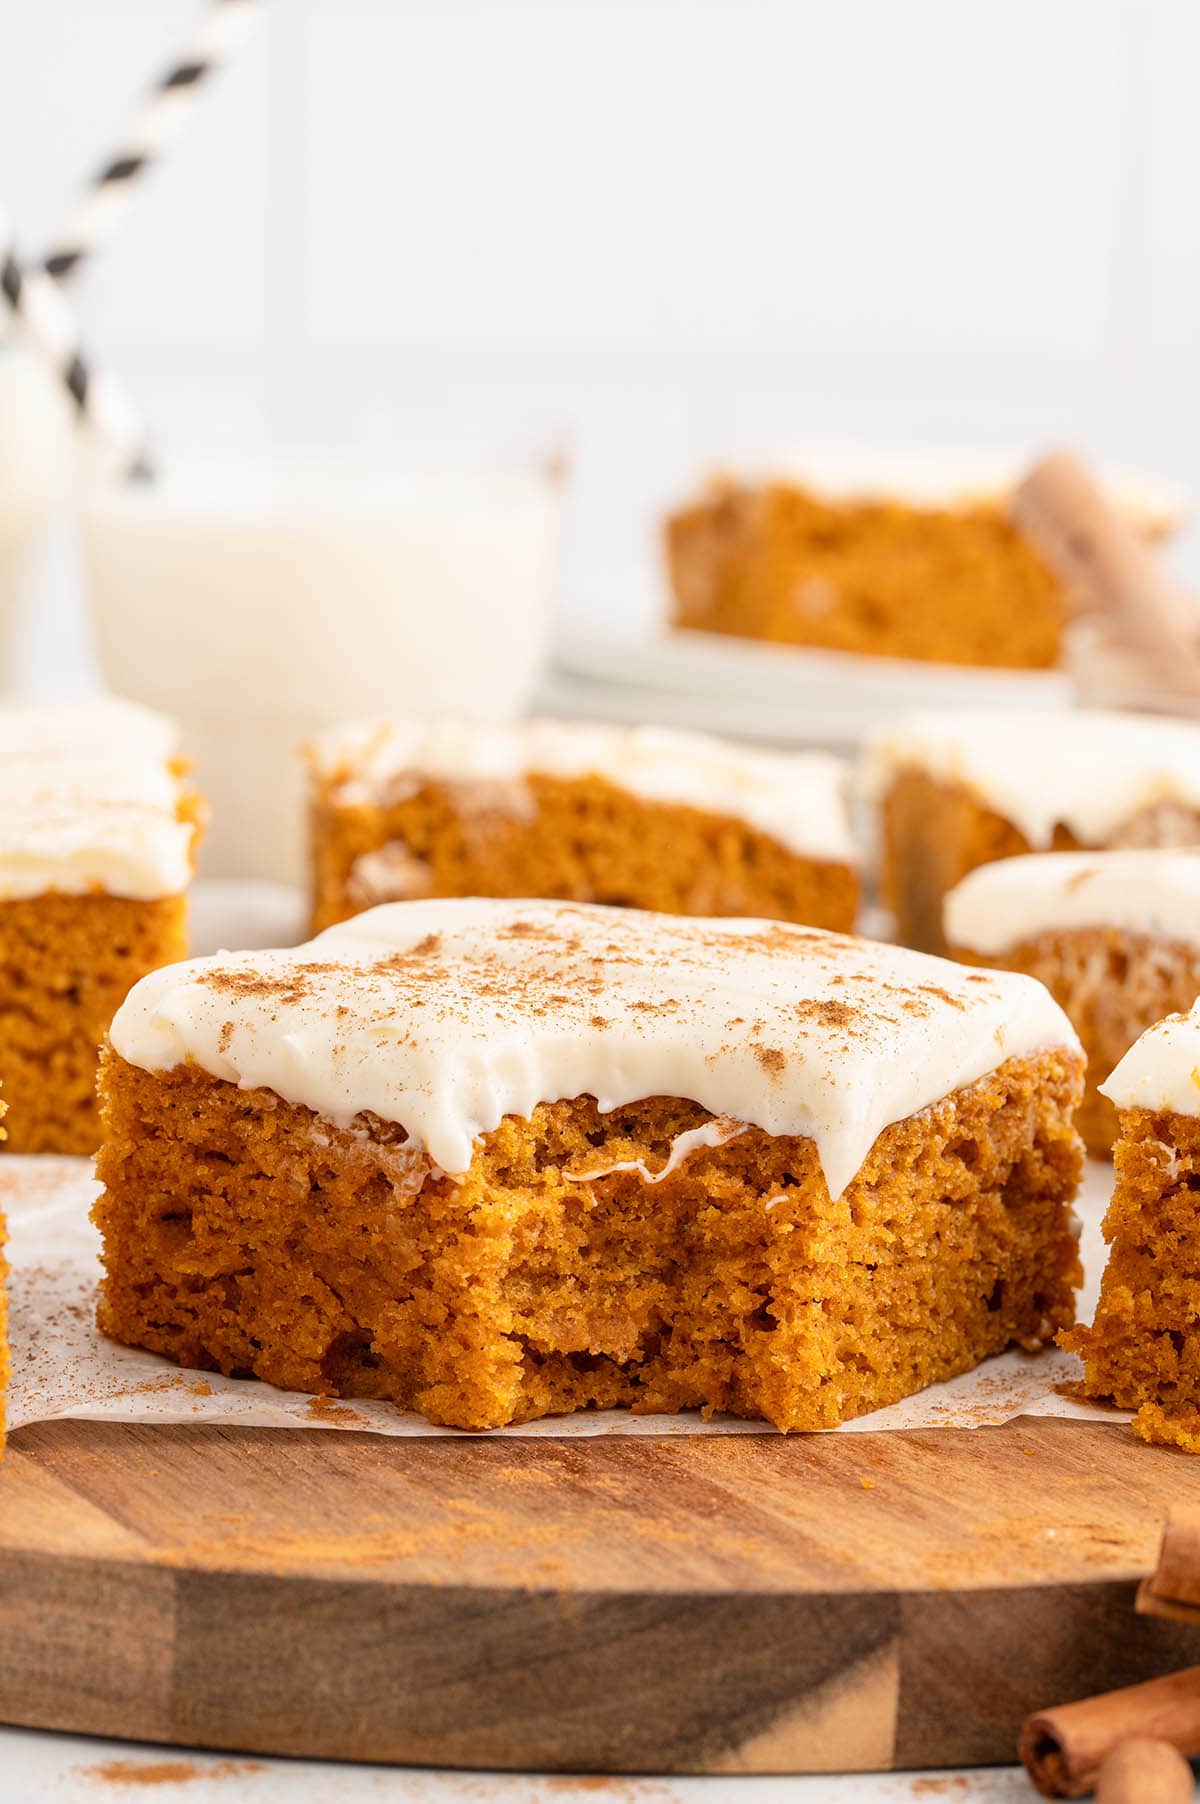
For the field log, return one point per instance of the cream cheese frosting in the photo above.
(959, 476)
(88, 801)
(1092, 772)
(1162, 1069)
(1154, 892)
(446, 1016)
(797, 799)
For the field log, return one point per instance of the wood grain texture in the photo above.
(685, 1604)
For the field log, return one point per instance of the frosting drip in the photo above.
(446, 1016)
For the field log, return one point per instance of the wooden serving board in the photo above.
(714, 1604)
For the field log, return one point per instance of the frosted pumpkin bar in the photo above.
(97, 829)
(897, 557)
(495, 1160)
(956, 789)
(637, 816)
(1143, 1348)
(1114, 936)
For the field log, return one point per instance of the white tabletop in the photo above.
(40, 1768)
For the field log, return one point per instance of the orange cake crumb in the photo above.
(1169, 1428)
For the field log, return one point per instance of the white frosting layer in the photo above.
(957, 477)
(1091, 772)
(797, 799)
(88, 802)
(1162, 1069)
(447, 1016)
(1155, 892)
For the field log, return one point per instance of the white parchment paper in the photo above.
(63, 1367)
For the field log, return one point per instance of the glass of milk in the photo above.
(35, 461)
(260, 603)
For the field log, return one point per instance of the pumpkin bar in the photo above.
(5, 1358)
(494, 1160)
(632, 816)
(1142, 1351)
(97, 828)
(955, 789)
(1114, 936)
(909, 558)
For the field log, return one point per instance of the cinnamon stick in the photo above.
(1177, 1575)
(1173, 1588)
(1146, 1603)
(1094, 551)
(1064, 1749)
(1145, 1772)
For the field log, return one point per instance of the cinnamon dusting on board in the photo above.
(619, 1790)
(535, 1550)
(165, 1772)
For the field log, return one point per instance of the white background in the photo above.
(666, 230)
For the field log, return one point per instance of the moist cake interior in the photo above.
(243, 1234)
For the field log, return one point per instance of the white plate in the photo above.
(787, 693)
(245, 915)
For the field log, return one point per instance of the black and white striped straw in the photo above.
(100, 402)
(158, 121)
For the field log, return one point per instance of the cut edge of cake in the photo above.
(1142, 1349)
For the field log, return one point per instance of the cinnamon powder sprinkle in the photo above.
(409, 978)
(828, 1012)
(475, 978)
(942, 994)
